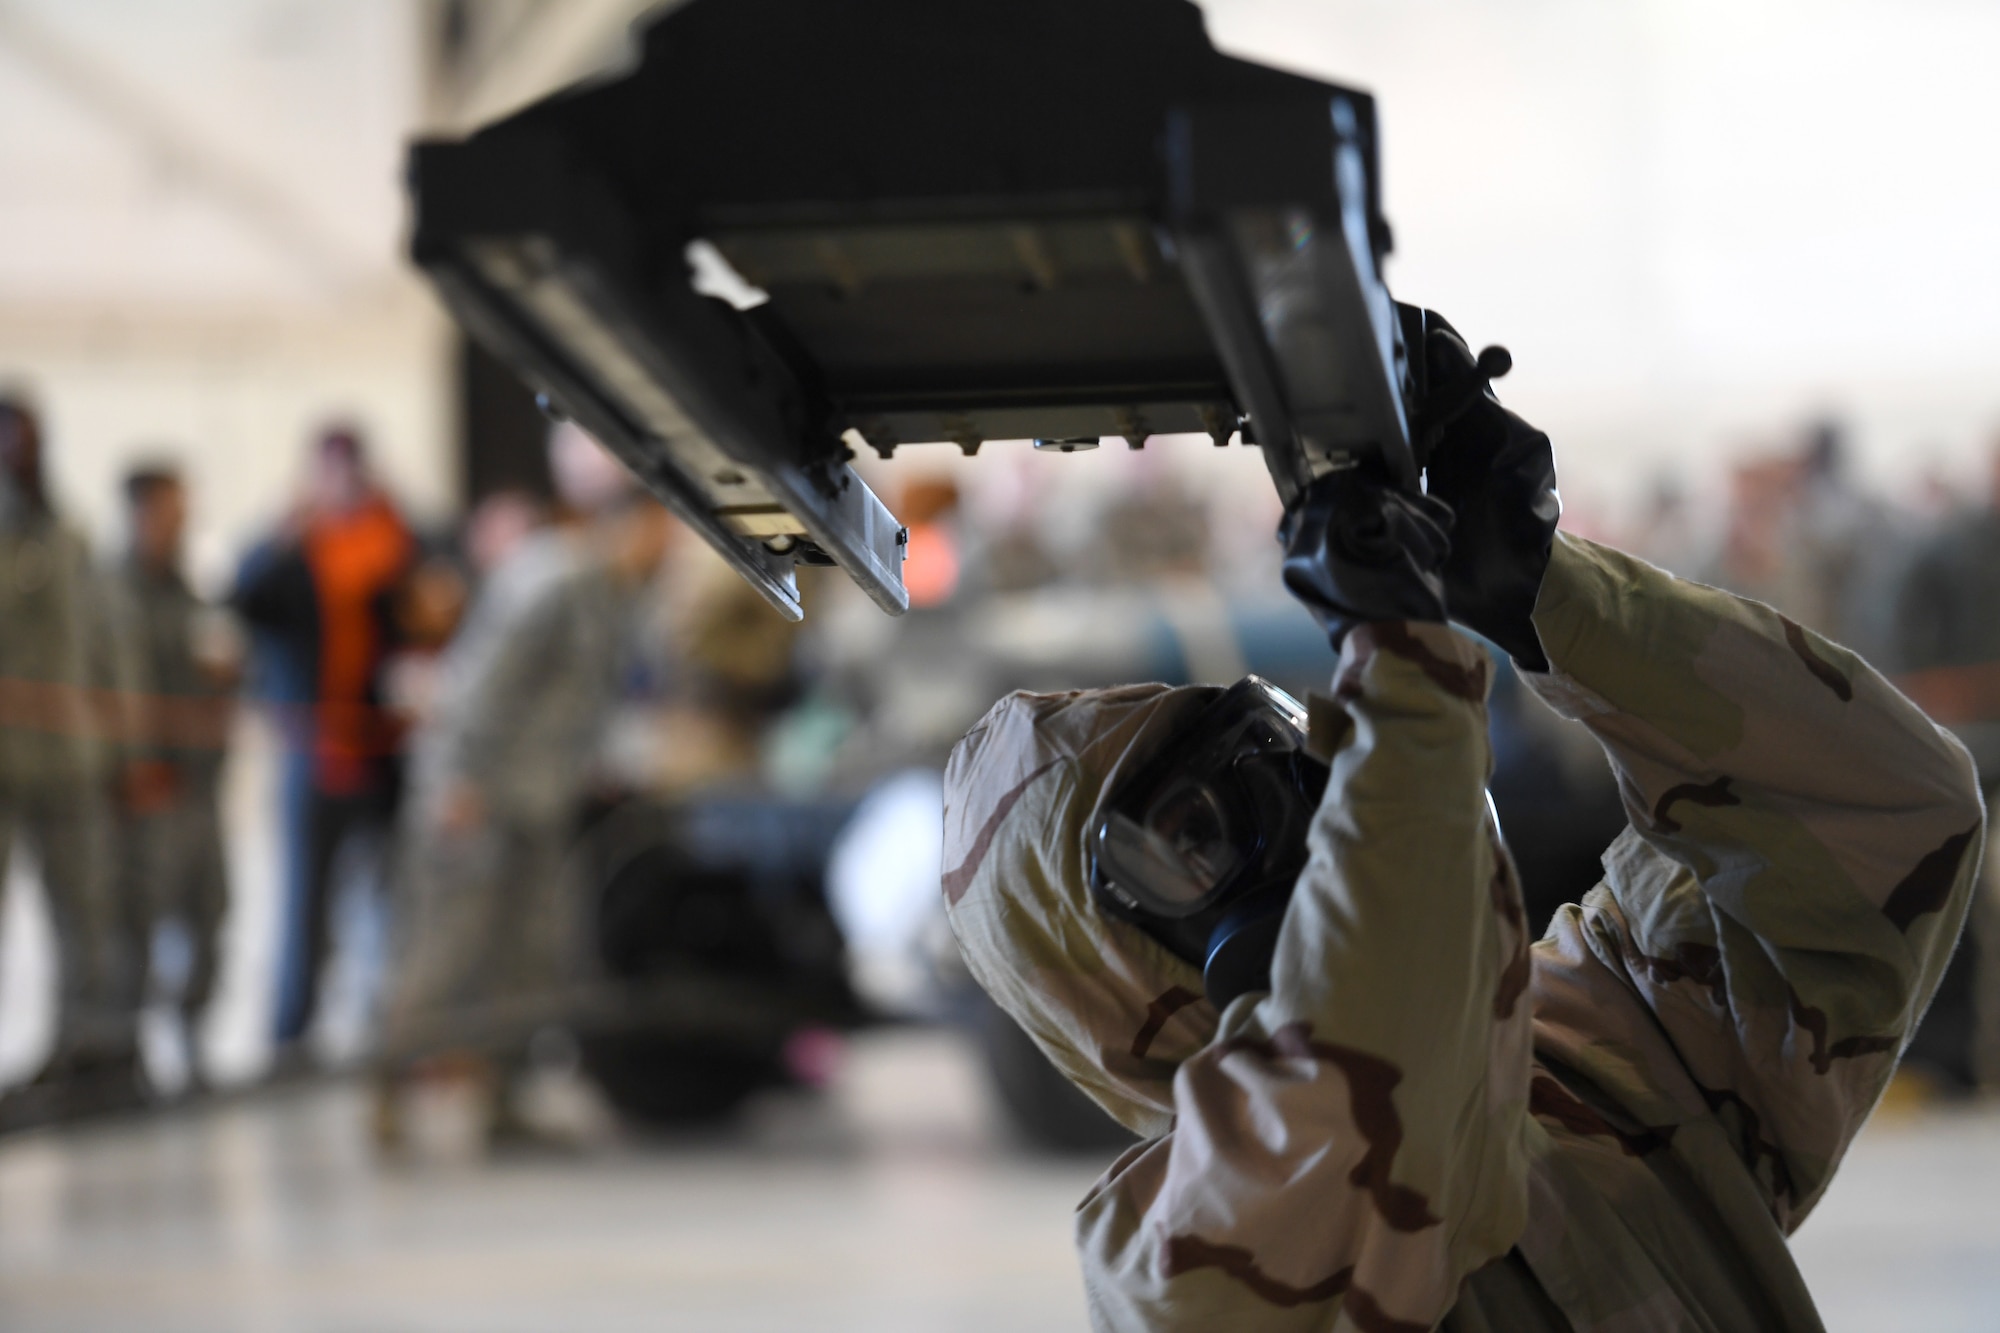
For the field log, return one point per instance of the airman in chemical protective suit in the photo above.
(1427, 1119)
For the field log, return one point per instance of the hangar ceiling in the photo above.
(213, 155)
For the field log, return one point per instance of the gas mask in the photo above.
(1200, 848)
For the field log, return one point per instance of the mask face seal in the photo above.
(1201, 847)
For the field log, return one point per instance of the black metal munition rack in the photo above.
(805, 226)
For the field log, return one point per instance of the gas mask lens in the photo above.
(1179, 848)
(1221, 811)
(1191, 822)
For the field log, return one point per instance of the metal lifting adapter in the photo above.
(801, 226)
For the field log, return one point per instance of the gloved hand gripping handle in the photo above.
(1450, 401)
(1360, 548)
(1498, 475)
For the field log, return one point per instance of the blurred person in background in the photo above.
(499, 777)
(901, 681)
(63, 686)
(1947, 630)
(1666, 532)
(497, 524)
(1012, 553)
(279, 678)
(1749, 557)
(424, 610)
(1156, 529)
(934, 553)
(1806, 538)
(171, 864)
(1947, 615)
(428, 604)
(730, 673)
(319, 591)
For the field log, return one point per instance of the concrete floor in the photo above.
(890, 1203)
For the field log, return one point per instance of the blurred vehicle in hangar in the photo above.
(722, 927)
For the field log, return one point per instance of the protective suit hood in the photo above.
(1110, 1006)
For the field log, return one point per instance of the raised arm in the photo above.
(1351, 1142)
(1802, 848)
(1802, 845)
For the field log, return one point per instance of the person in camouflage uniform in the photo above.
(500, 778)
(62, 707)
(1430, 1120)
(171, 862)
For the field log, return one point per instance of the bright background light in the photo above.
(1693, 222)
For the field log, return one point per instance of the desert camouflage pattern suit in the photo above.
(1430, 1120)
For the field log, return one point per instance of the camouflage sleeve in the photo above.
(120, 673)
(500, 675)
(114, 659)
(1348, 1147)
(1802, 846)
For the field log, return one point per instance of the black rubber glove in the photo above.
(1358, 548)
(1498, 474)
